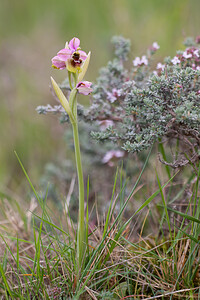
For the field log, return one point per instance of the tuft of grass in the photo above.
(38, 253)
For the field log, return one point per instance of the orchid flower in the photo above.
(84, 87)
(71, 57)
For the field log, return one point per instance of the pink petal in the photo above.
(83, 55)
(65, 54)
(58, 63)
(74, 44)
(84, 87)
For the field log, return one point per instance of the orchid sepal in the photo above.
(84, 68)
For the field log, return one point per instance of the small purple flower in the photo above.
(138, 62)
(155, 46)
(196, 52)
(84, 87)
(71, 57)
(160, 66)
(105, 124)
(116, 93)
(175, 60)
(111, 156)
(144, 60)
(187, 55)
(112, 97)
(197, 40)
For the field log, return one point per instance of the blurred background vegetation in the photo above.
(31, 33)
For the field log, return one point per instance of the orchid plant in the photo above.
(76, 62)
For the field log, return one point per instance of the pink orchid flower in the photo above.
(84, 87)
(71, 57)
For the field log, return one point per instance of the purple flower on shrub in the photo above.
(196, 52)
(111, 156)
(187, 55)
(197, 39)
(155, 46)
(138, 62)
(84, 87)
(144, 60)
(71, 57)
(105, 124)
(160, 66)
(112, 97)
(175, 60)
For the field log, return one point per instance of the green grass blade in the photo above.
(162, 150)
(188, 217)
(139, 209)
(52, 225)
(5, 281)
(110, 206)
(87, 215)
(164, 203)
(27, 177)
(99, 248)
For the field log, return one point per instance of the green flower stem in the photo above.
(71, 109)
(81, 219)
(73, 102)
(70, 82)
(81, 240)
(75, 75)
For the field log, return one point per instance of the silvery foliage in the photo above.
(148, 105)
